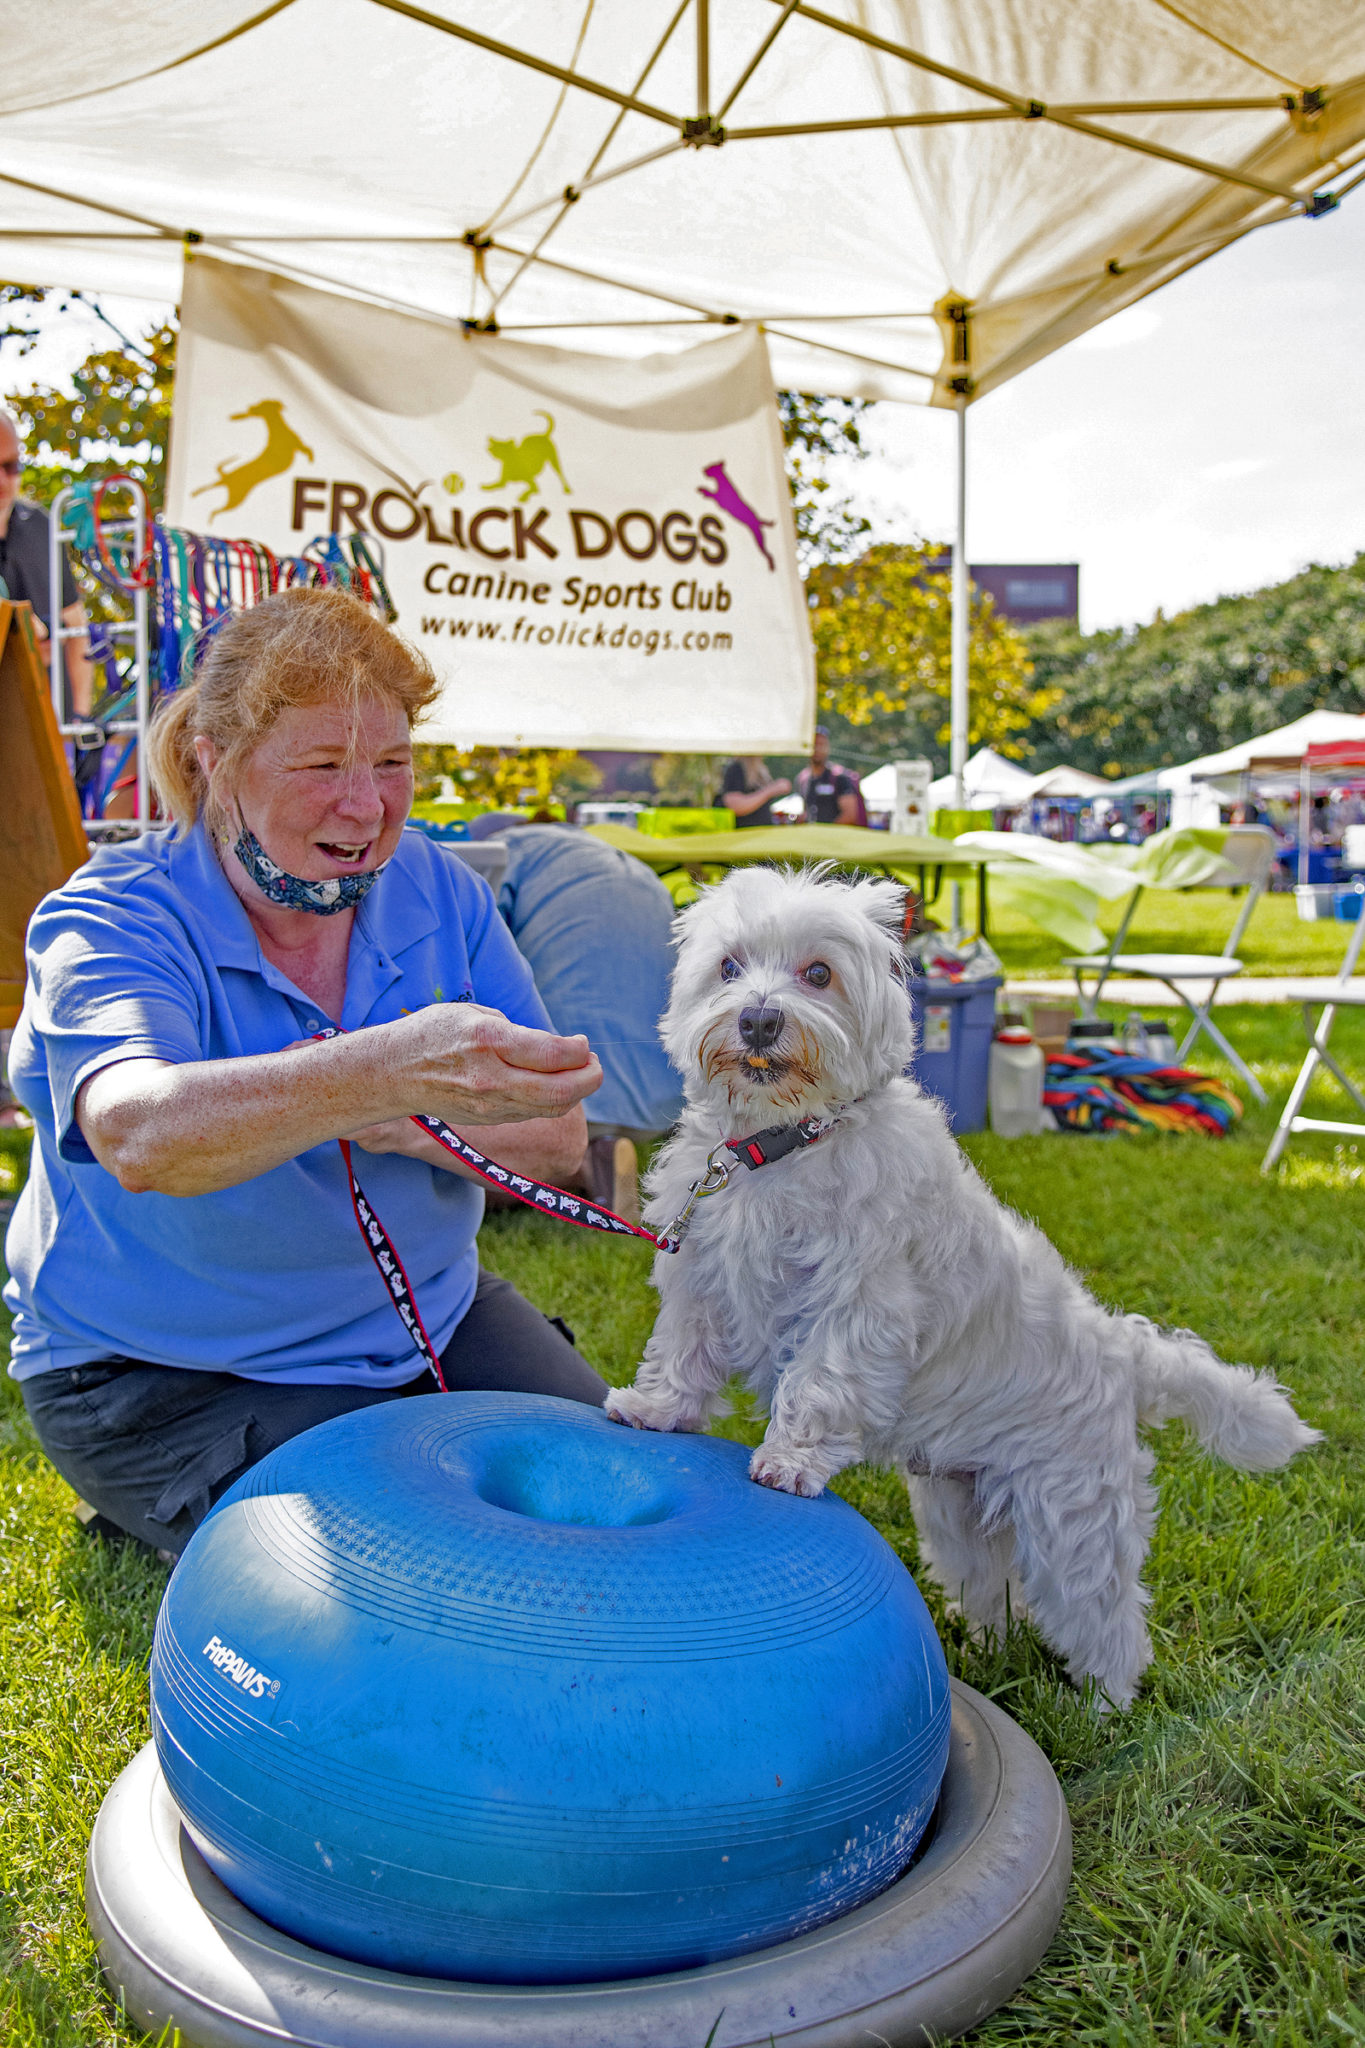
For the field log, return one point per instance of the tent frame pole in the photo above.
(703, 11)
(958, 683)
(961, 617)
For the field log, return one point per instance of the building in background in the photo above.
(1029, 592)
(1024, 592)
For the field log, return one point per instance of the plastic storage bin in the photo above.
(954, 1026)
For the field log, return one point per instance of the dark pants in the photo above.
(153, 1446)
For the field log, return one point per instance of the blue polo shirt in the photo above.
(147, 951)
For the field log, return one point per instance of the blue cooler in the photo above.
(954, 1026)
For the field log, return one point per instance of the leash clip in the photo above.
(716, 1177)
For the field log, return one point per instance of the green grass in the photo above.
(1190, 921)
(1219, 1826)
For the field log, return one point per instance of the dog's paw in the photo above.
(647, 1411)
(785, 1473)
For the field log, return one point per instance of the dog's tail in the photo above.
(1243, 1417)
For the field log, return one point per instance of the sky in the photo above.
(1208, 440)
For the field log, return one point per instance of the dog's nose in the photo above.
(760, 1026)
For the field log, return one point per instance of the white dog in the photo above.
(883, 1304)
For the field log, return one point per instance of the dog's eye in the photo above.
(730, 970)
(817, 974)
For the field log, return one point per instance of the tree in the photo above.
(882, 628)
(527, 778)
(815, 432)
(1151, 696)
(117, 415)
(688, 781)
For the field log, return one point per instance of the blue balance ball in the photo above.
(485, 1686)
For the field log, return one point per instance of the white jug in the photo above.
(1016, 1085)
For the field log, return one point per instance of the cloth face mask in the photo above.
(292, 892)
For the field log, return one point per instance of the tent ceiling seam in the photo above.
(966, 115)
(546, 132)
(1198, 28)
(1032, 109)
(296, 273)
(571, 194)
(94, 205)
(1176, 156)
(157, 70)
(529, 212)
(588, 185)
(532, 63)
(829, 348)
(1264, 103)
(615, 283)
(788, 9)
(909, 56)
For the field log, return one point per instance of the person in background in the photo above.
(748, 790)
(24, 570)
(830, 793)
(595, 926)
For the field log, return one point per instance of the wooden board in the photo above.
(42, 840)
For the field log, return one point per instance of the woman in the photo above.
(748, 790)
(189, 1284)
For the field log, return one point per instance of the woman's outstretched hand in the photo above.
(469, 1065)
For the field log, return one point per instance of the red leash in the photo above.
(759, 1149)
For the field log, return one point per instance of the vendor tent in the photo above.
(1064, 784)
(1284, 748)
(917, 198)
(1196, 787)
(989, 783)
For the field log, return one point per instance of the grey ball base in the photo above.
(944, 1946)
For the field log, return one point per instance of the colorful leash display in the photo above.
(1106, 1091)
(194, 582)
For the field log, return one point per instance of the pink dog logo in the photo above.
(730, 502)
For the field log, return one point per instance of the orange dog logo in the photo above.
(522, 461)
(240, 479)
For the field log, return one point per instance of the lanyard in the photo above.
(759, 1149)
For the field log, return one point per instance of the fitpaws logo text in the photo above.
(255, 1684)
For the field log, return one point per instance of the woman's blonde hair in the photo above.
(299, 647)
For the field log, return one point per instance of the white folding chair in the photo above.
(1342, 996)
(1250, 852)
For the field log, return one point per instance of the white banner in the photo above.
(591, 552)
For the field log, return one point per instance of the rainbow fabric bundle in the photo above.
(1114, 1091)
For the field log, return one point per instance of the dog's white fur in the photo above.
(886, 1307)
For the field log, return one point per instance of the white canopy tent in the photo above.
(989, 783)
(917, 198)
(1196, 787)
(1287, 744)
(1068, 783)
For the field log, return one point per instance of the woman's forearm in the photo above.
(211, 1124)
(190, 1130)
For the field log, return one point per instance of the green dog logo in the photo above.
(522, 461)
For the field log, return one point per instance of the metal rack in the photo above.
(60, 535)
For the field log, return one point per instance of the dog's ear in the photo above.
(882, 903)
